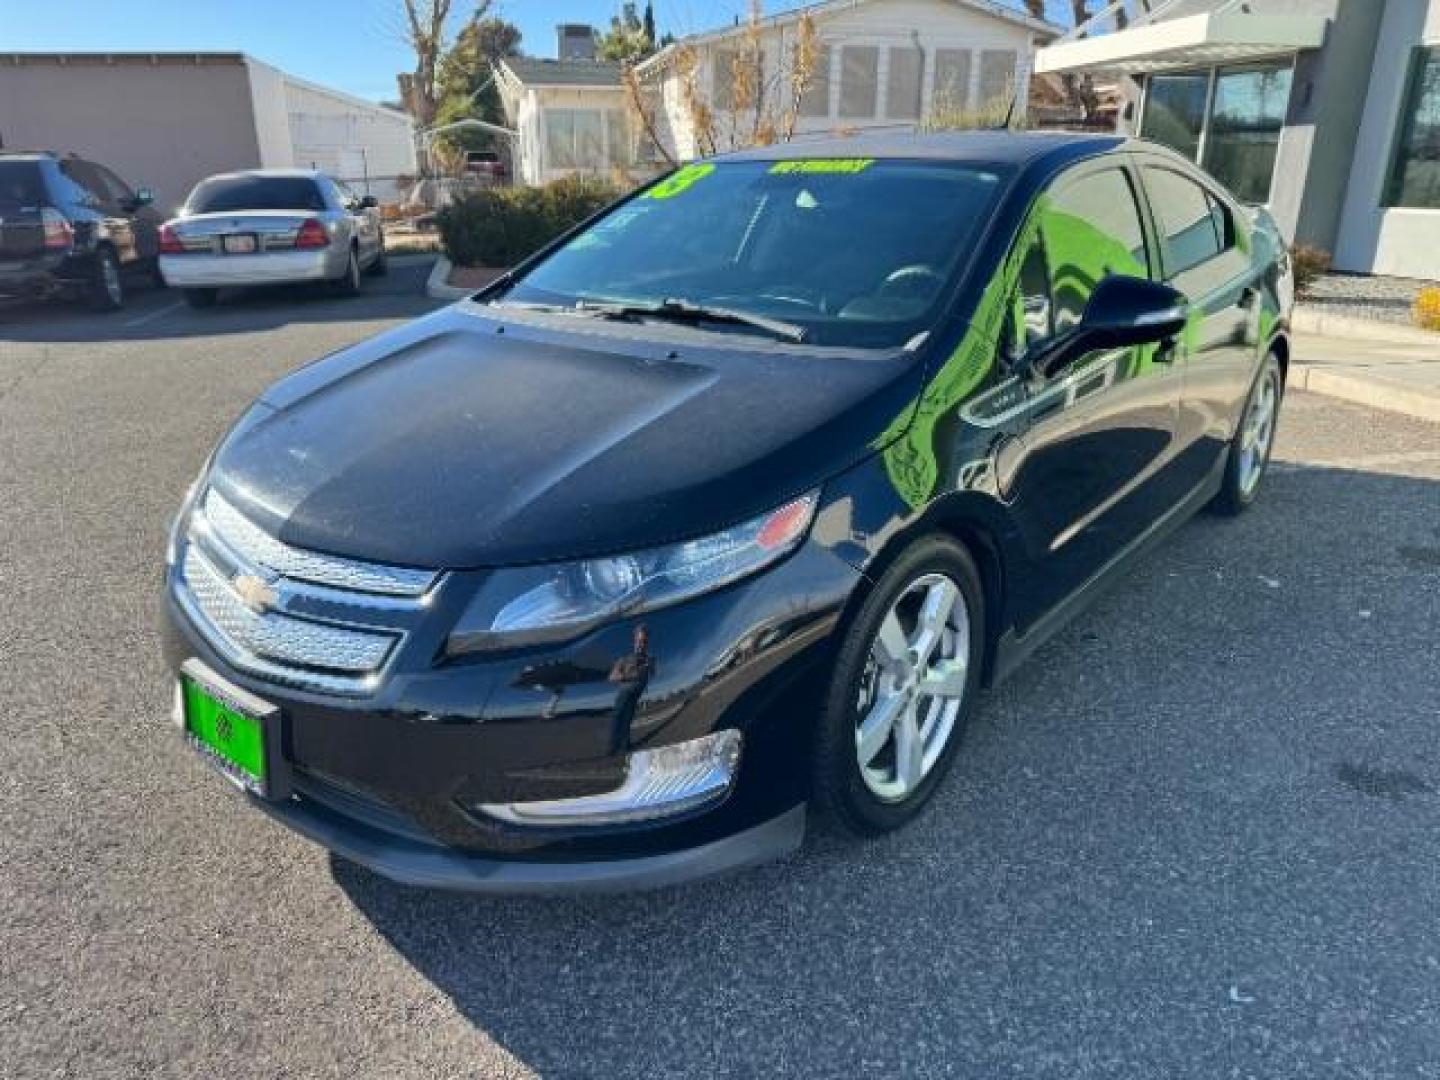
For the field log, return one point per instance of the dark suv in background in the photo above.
(71, 226)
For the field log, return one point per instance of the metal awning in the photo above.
(1193, 41)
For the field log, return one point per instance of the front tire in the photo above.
(1254, 439)
(107, 290)
(905, 680)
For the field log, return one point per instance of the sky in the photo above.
(351, 45)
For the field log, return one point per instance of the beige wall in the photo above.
(165, 125)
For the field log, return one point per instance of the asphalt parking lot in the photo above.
(1197, 836)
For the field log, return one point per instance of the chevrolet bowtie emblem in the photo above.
(255, 592)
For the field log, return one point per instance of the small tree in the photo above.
(628, 40)
(424, 23)
(764, 106)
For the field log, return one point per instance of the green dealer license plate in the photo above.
(229, 727)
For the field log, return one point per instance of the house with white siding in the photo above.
(568, 117)
(880, 64)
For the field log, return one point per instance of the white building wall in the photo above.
(1374, 238)
(272, 120)
(931, 25)
(364, 144)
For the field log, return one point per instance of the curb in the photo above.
(1364, 390)
(438, 286)
(1308, 321)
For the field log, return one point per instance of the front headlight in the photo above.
(544, 604)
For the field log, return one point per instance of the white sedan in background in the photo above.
(271, 227)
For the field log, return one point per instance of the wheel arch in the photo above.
(960, 521)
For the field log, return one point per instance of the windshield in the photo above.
(224, 194)
(855, 252)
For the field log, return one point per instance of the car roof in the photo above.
(1021, 148)
(270, 174)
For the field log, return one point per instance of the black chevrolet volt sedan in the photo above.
(720, 511)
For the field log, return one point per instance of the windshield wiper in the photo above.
(687, 311)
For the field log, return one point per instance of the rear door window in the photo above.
(1195, 227)
(232, 194)
(86, 186)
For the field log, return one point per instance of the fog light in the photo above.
(658, 783)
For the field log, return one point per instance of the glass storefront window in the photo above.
(1245, 121)
(1240, 135)
(1415, 176)
(1175, 111)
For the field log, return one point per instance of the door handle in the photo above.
(1248, 296)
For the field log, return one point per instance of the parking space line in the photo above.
(150, 316)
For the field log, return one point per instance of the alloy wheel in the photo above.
(912, 687)
(1256, 434)
(110, 280)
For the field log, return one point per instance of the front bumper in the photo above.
(264, 268)
(391, 780)
(411, 860)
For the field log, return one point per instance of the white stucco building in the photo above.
(1325, 111)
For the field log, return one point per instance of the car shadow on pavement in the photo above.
(159, 314)
(1163, 835)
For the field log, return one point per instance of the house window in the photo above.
(723, 77)
(560, 138)
(902, 84)
(997, 76)
(1246, 115)
(1175, 111)
(816, 99)
(952, 78)
(1236, 141)
(859, 72)
(574, 139)
(617, 138)
(1415, 175)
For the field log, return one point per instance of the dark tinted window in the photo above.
(21, 184)
(223, 194)
(87, 186)
(1415, 172)
(117, 189)
(856, 251)
(1194, 225)
(1092, 229)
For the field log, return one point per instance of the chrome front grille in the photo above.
(297, 617)
(255, 545)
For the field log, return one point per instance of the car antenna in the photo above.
(1004, 125)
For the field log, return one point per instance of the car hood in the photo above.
(467, 440)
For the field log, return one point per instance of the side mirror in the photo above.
(144, 197)
(369, 202)
(1121, 311)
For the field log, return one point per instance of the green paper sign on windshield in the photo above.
(679, 181)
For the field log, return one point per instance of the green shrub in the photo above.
(501, 226)
(1310, 263)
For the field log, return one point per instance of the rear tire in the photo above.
(106, 291)
(906, 675)
(201, 298)
(1254, 439)
(348, 284)
(381, 266)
